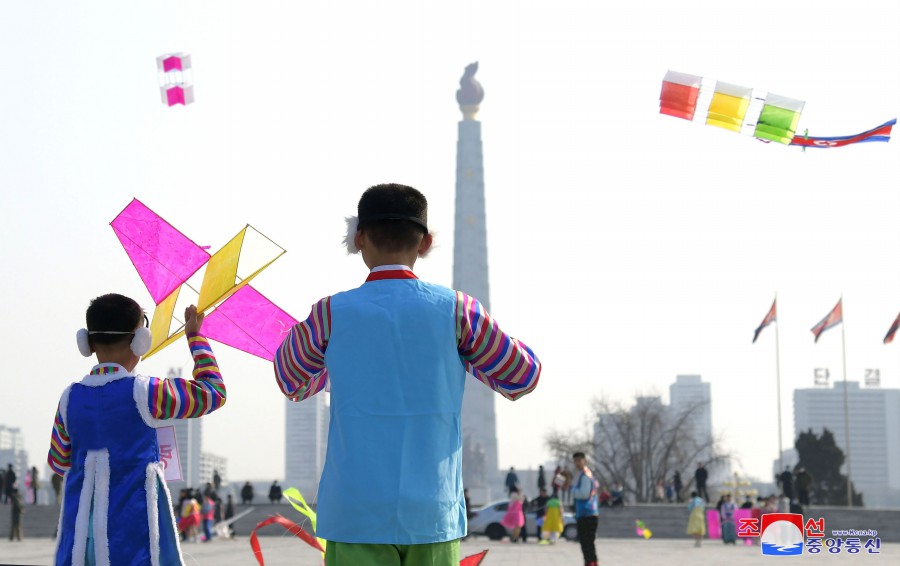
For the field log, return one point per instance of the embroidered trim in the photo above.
(390, 274)
(161, 480)
(101, 508)
(64, 406)
(62, 507)
(152, 511)
(142, 400)
(79, 546)
(106, 369)
(96, 380)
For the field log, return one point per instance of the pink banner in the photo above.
(713, 526)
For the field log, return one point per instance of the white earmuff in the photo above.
(350, 237)
(141, 342)
(84, 346)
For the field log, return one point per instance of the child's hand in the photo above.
(192, 320)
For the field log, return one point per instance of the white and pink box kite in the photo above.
(176, 84)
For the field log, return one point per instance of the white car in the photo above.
(485, 521)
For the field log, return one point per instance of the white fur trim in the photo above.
(350, 236)
(152, 512)
(62, 501)
(101, 508)
(98, 380)
(64, 405)
(79, 547)
(142, 400)
(156, 472)
(84, 345)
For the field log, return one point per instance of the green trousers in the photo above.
(353, 554)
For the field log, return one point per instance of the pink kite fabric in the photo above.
(172, 63)
(175, 95)
(250, 322)
(164, 257)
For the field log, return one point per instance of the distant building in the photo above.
(874, 416)
(209, 464)
(691, 393)
(306, 441)
(12, 451)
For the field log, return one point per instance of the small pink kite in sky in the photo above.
(176, 80)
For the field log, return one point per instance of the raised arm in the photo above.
(501, 362)
(300, 361)
(189, 398)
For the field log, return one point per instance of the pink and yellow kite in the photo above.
(237, 314)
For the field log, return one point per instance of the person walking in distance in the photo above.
(700, 477)
(584, 494)
(18, 507)
(677, 485)
(804, 481)
(512, 482)
(696, 518)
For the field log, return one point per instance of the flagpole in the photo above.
(778, 389)
(846, 409)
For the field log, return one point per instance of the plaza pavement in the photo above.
(289, 551)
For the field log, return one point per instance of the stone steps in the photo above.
(665, 521)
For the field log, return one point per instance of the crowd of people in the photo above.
(579, 488)
(195, 510)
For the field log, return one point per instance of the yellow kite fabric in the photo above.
(162, 322)
(729, 106)
(221, 272)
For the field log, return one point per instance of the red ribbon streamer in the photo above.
(473, 560)
(296, 530)
(292, 528)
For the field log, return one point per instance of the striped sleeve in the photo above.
(60, 456)
(189, 398)
(300, 361)
(501, 362)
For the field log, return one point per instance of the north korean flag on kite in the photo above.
(889, 337)
(881, 133)
(770, 318)
(832, 319)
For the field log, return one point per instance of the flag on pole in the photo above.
(770, 318)
(889, 337)
(831, 319)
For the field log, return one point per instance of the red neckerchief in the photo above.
(391, 274)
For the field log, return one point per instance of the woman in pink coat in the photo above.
(514, 519)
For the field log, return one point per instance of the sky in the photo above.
(625, 247)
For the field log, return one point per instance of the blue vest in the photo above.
(393, 470)
(113, 494)
(586, 507)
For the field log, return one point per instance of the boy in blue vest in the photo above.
(394, 353)
(584, 493)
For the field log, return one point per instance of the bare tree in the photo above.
(638, 445)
